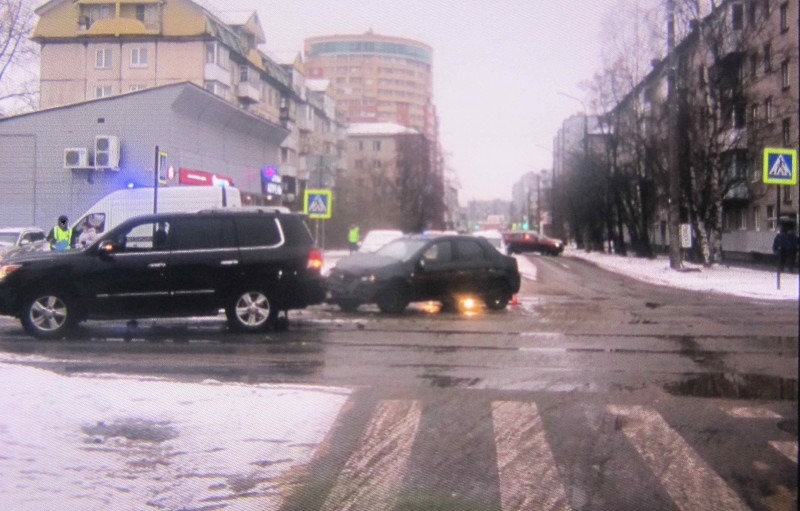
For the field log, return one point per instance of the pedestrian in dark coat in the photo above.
(785, 245)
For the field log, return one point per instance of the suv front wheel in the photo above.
(48, 315)
(251, 311)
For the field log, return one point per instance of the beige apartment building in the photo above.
(92, 49)
(377, 78)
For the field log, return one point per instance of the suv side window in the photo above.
(469, 250)
(140, 238)
(201, 233)
(258, 231)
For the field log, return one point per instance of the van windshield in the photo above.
(88, 229)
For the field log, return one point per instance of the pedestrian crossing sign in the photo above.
(780, 166)
(317, 203)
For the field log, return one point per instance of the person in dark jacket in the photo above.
(786, 245)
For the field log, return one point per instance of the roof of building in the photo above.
(379, 128)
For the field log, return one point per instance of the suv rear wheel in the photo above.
(251, 311)
(48, 315)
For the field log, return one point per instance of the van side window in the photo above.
(255, 231)
(201, 233)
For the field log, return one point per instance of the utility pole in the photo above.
(675, 260)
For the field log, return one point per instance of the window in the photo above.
(784, 17)
(771, 223)
(137, 86)
(786, 130)
(441, 252)
(754, 65)
(360, 145)
(469, 250)
(284, 155)
(737, 16)
(140, 10)
(755, 114)
(376, 145)
(201, 233)
(138, 57)
(785, 80)
(376, 164)
(217, 54)
(258, 232)
(102, 91)
(768, 110)
(243, 73)
(786, 195)
(767, 58)
(757, 218)
(751, 11)
(103, 58)
(766, 8)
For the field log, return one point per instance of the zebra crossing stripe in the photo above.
(529, 478)
(689, 481)
(788, 449)
(371, 477)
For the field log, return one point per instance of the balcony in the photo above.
(247, 92)
(215, 73)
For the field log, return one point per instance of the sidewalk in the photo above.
(732, 280)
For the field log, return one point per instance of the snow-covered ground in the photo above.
(79, 443)
(718, 279)
(100, 442)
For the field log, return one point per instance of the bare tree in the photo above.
(18, 57)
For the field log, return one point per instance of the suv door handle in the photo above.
(229, 262)
(157, 265)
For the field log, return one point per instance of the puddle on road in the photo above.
(443, 381)
(736, 386)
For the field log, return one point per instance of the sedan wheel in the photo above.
(251, 312)
(497, 300)
(392, 300)
(47, 315)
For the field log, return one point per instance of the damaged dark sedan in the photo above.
(419, 268)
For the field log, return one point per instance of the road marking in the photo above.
(747, 412)
(690, 482)
(529, 478)
(372, 475)
(788, 449)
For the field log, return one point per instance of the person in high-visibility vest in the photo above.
(60, 236)
(353, 237)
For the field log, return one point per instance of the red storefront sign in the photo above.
(202, 178)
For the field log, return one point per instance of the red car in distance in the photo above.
(530, 241)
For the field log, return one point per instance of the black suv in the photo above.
(414, 268)
(250, 262)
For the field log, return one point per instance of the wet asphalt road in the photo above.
(626, 395)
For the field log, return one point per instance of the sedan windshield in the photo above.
(402, 249)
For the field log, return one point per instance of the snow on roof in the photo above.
(379, 128)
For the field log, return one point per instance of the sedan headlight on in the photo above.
(8, 269)
(368, 278)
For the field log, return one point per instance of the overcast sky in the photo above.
(498, 68)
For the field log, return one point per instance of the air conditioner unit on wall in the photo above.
(76, 158)
(106, 152)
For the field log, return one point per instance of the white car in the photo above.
(377, 238)
(495, 238)
(21, 239)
